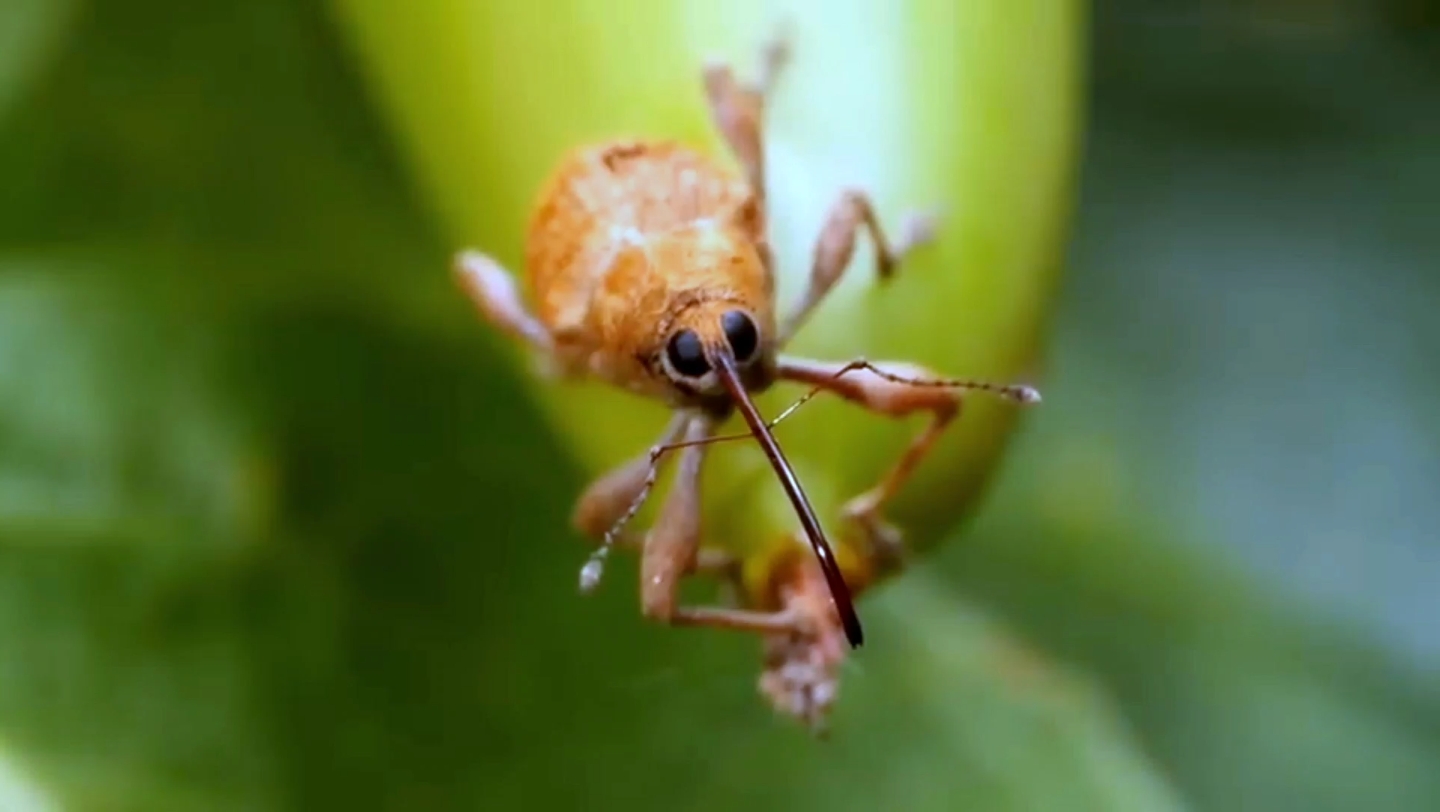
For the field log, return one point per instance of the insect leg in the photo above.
(738, 111)
(893, 390)
(836, 245)
(492, 289)
(607, 504)
(671, 548)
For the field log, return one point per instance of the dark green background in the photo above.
(276, 532)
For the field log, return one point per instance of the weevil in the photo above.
(650, 269)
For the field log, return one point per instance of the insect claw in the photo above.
(776, 54)
(918, 228)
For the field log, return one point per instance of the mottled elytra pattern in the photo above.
(648, 187)
(645, 259)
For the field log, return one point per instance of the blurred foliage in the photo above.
(279, 533)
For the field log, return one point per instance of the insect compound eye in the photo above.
(741, 333)
(687, 354)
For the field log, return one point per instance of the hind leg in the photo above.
(894, 390)
(851, 214)
(738, 110)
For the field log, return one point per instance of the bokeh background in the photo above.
(279, 530)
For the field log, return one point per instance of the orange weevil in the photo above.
(650, 269)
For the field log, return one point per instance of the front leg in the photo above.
(606, 506)
(492, 289)
(671, 549)
(836, 245)
(893, 390)
(614, 498)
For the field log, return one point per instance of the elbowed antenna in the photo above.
(839, 590)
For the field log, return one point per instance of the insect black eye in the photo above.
(741, 333)
(687, 354)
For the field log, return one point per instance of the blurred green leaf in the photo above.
(31, 31)
(98, 437)
(1244, 700)
(124, 488)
